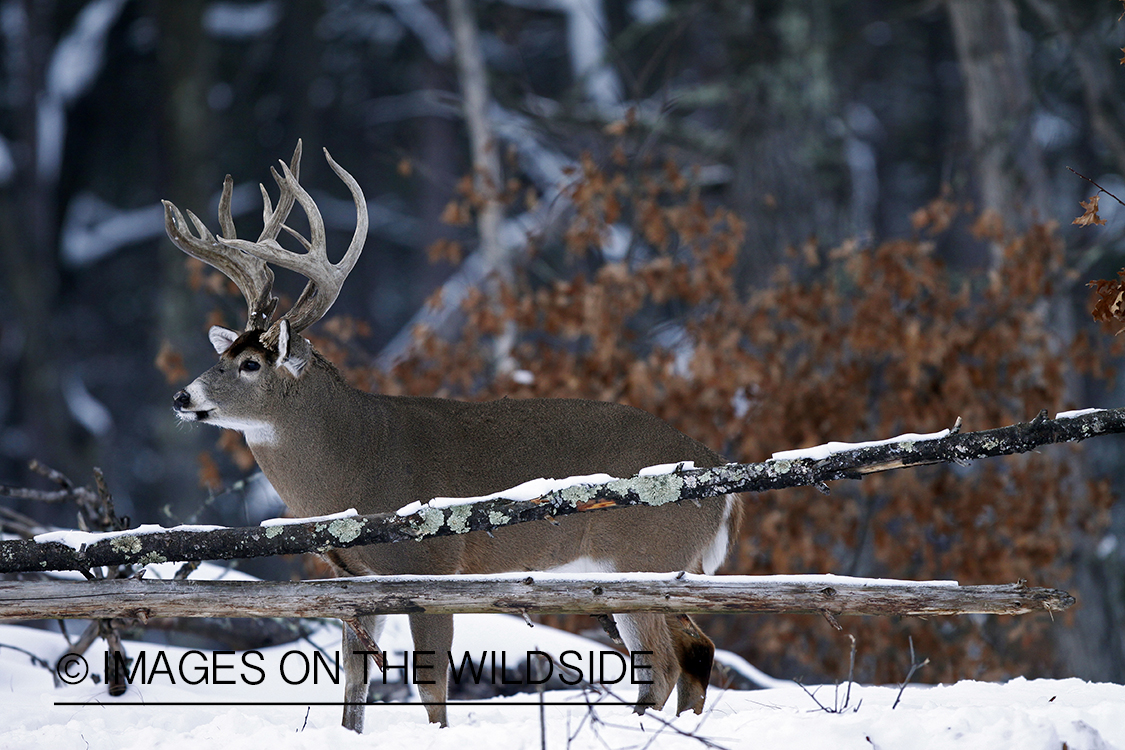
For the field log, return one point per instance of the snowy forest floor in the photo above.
(1027, 714)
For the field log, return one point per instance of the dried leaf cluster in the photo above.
(1108, 296)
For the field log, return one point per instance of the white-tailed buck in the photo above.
(327, 447)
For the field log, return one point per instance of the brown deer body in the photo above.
(327, 447)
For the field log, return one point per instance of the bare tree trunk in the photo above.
(1096, 71)
(28, 218)
(587, 31)
(186, 67)
(781, 108)
(1009, 167)
(1012, 181)
(488, 178)
(487, 175)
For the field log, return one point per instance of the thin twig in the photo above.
(17, 523)
(837, 707)
(365, 639)
(44, 496)
(55, 476)
(187, 569)
(914, 667)
(1099, 187)
(665, 724)
(37, 661)
(116, 683)
(66, 492)
(815, 700)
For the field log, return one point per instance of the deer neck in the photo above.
(310, 454)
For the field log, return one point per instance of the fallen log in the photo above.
(517, 594)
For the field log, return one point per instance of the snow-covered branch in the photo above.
(808, 467)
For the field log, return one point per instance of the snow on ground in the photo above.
(1019, 714)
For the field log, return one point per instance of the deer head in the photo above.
(257, 365)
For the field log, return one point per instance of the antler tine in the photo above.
(325, 278)
(273, 220)
(250, 274)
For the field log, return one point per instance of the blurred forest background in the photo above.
(772, 222)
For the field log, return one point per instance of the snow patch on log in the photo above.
(536, 488)
(1074, 414)
(290, 521)
(521, 492)
(821, 452)
(660, 469)
(78, 539)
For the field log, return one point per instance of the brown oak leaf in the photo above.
(1091, 215)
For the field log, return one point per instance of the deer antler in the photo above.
(325, 278)
(245, 262)
(250, 274)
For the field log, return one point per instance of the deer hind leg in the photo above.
(650, 632)
(695, 652)
(355, 686)
(434, 633)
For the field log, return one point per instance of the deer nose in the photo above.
(181, 399)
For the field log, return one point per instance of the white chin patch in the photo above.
(256, 433)
(260, 434)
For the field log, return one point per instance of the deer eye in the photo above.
(250, 365)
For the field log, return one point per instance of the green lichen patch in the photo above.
(660, 489)
(345, 529)
(125, 545)
(578, 495)
(779, 468)
(430, 521)
(459, 518)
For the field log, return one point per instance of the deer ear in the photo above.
(221, 338)
(292, 351)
